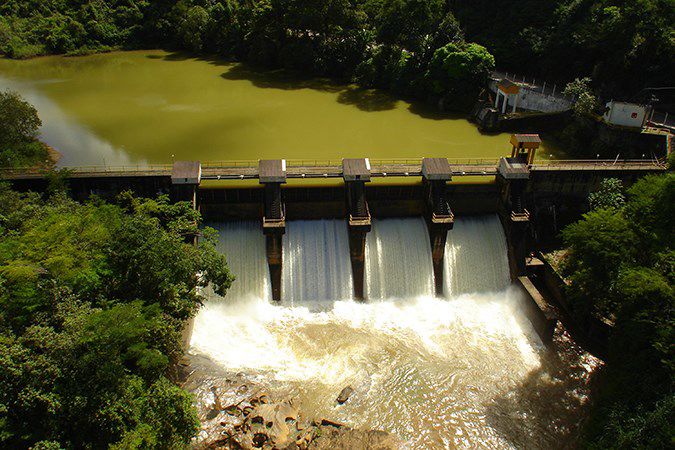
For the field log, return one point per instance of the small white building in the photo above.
(626, 114)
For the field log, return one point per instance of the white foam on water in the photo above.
(316, 264)
(476, 257)
(243, 244)
(398, 259)
(438, 372)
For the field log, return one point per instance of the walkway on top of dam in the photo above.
(248, 169)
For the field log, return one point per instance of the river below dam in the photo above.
(142, 107)
(463, 371)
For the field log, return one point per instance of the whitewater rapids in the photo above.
(464, 371)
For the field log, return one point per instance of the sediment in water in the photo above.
(463, 371)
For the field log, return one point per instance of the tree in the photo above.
(609, 195)
(405, 23)
(93, 298)
(19, 121)
(621, 265)
(651, 210)
(19, 125)
(599, 245)
(586, 102)
(459, 70)
(192, 26)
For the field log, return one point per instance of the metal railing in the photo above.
(91, 169)
(418, 161)
(231, 163)
(534, 85)
(153, 169)
(599, 163)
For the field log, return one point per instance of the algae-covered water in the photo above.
(154, 107)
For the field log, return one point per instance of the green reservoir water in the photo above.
(152, 106)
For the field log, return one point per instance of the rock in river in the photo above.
(344, 394)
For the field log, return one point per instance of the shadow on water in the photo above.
(368, 100)
(557, 395)
(280, 79)
(179, 56)
(431, 112)
(427, 111)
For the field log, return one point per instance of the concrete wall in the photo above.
(536, 101)
(625, 114)
(330, 203)
(538, 312)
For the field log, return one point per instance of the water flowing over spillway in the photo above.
(244, 245)
(316, 263)
(398, 259)
(476, 257)
(466, 371)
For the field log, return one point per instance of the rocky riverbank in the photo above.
(239, 411)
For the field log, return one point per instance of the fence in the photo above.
(165, 169)
(662, 119)
(531, 83)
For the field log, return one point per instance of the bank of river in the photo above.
(154, 107)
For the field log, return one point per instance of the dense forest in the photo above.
(420, 48)
(621, 265)
(92, 300)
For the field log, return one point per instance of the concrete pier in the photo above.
(513, 177)
(436, 172)
(185, 179)
(356, 172)
(273, 175)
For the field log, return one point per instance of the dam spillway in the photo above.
(244, 247)
(316, 261)
(438, 372)
(476, 257)
(398, 259)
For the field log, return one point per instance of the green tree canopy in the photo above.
(19, 125)
(586, 102)
(609, 196)
(459, 70)
(621, 265)
(93, 299)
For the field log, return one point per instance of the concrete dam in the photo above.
(356, 237)
(414, 293)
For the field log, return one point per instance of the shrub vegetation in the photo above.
(93, 298)
(621, 264)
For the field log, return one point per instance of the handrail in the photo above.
(598, 161)
(101, 169)
(609, 164)
(231, 163)
(313, 163)
(167, 168)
